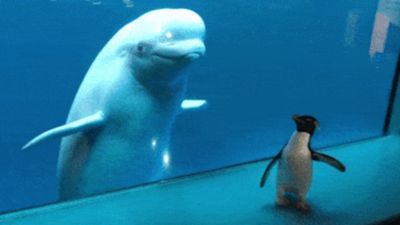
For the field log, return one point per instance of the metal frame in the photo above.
(392, 120)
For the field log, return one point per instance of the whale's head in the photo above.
(160, 43)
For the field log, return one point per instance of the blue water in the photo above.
(264, 62)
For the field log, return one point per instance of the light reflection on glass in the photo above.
(128, 3)
(154, 143)
(168, 35)
(352, 23)
(387, 15)
(166, 159)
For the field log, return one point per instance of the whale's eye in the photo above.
(140, 48)
(143, 48)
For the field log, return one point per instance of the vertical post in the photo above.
(392, 120)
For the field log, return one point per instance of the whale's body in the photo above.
(118, 128)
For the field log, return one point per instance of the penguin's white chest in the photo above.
(295, 166)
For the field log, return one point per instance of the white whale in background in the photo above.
(117, 132)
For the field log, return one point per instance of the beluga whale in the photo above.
(118, 128)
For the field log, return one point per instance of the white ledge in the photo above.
(367, 192)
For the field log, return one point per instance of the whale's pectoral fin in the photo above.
(193, 104)
(270, 165)
(84, 124)
(329, 160)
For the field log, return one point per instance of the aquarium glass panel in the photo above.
(264, 62)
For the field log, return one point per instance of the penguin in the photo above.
(295, 164)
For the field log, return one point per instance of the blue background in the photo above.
(264, 62)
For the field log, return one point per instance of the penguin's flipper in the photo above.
(329, 160)
(270, 165)
(193, 104)
(80, 125)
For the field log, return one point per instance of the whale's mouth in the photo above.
(193, 55)
(188, 56)
(187, 50)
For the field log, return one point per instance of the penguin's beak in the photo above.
(316, 123)
(295, 118)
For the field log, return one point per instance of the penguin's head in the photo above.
(305, 123)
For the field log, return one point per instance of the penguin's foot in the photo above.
(282, 201)
(303, 206)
